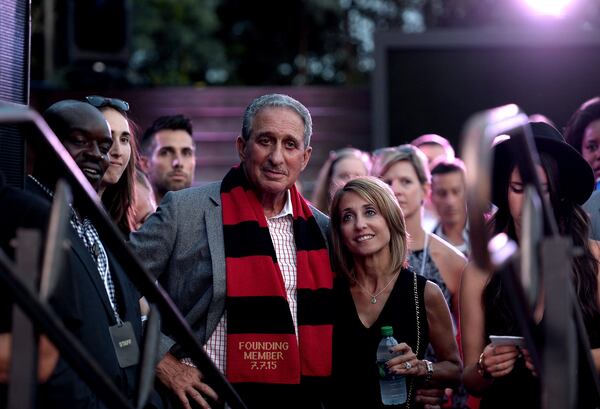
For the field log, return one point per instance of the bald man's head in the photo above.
(84, 133)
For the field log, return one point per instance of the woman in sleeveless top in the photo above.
(405, 169)
(374, 289)
(504, 375)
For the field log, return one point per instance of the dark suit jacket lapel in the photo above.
(92, 271)
(81, 252)
(214, 232)
(126, 294)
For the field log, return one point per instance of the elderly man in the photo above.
(245, 259)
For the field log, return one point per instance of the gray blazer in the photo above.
(182, 245)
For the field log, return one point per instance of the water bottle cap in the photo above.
(387, 331)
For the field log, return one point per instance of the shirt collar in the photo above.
(438, 231)
(287, 207)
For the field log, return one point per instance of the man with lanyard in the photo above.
(245, 260)
(448, 195)
(94, 297)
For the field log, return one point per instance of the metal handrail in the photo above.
(87, 200)
(69, 347)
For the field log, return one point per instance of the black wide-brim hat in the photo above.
(576, 175)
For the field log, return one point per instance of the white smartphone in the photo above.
(498, 340)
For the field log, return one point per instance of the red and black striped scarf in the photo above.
(261, 340)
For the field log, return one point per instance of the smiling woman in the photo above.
(120, 151)
(376, 289)
(117, 188)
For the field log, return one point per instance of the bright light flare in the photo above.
(548, 7)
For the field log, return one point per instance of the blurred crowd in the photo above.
(288, 294)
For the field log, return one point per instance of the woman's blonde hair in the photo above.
(386, 158)
(376, 192)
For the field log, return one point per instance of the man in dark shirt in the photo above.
(94, 298)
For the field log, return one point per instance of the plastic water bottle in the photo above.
(393, 387)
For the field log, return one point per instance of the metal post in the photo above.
(560, 342)
(23, 371)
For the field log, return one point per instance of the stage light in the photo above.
(548, 7)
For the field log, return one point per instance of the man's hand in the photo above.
(431, 397)
(184, 381)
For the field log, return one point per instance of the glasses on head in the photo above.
(99, 102)
(384, 151)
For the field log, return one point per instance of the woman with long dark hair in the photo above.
(117, 190)
(504, 375)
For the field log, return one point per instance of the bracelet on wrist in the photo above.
(428, 369)
(481, 370)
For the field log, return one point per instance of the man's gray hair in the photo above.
(279, 101)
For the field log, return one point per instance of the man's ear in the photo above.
(240, 144)
(306, 157)
(427, 190)
(144, 165)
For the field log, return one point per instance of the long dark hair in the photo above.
(573, 222)
(587, 113)
(119, 199)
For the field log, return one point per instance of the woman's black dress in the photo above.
(355, 375)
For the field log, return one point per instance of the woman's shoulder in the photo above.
(595, 248)
(408, 276)
(433, 295)
(474, 280)
(451, 255)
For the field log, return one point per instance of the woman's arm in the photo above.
(451, 264)
(482, 362)
(47, 357)
(596, 358)
(472, 331)
(595, 248)
(447, 370)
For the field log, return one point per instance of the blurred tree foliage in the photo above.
(304, 44)
(239, 42)
(308, 42)
(173, 41)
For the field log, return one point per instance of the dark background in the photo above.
(436, 90)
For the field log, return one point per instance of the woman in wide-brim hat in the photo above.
(504, 375)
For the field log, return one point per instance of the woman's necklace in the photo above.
(374, 296)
